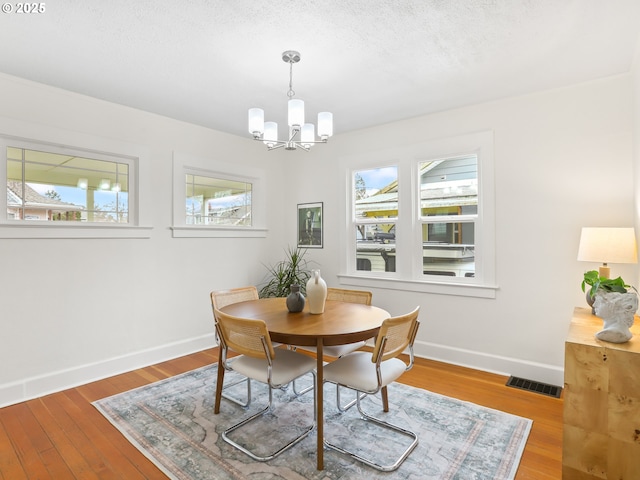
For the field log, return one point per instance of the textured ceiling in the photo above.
(368, 61)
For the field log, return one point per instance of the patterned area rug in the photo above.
(173, 424)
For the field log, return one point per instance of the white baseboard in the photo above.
(29, 388)
(544, 373)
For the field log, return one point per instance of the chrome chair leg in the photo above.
(235, 400)
(303, 391)
(344, 408)
(372, 463)
(268, 408)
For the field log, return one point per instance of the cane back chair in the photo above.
(259, 361)
(220, 299)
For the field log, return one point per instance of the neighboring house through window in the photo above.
(30, 205)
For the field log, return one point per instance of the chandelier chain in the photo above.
(291, 92)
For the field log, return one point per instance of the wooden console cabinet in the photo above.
(601, 418)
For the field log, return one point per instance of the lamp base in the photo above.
(604, 271)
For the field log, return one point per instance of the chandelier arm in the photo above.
(293, 132)
(276, 146)
(280, 143)
(296, 145)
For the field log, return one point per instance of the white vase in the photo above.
(316, 293)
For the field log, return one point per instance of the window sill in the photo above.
(441, 288)
(46, 230)
(218, 232)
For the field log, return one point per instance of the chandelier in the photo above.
(301, 134)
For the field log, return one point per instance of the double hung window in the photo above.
(421, 217)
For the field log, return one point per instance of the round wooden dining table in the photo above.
(340, 323)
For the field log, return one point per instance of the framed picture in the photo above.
(310, 225)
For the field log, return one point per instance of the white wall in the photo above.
(75, 310)
(563, 160)
(635, 78)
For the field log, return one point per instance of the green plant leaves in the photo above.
(290, 271)
(597, 282)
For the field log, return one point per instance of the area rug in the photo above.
(173, 424)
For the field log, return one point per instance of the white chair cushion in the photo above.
(357, 371)
(287, 365)
(335, 350)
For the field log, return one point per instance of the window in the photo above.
(216, 199)
(47, 185)
(421, 217)
(448, 211)
(376, 211)
(71, 185)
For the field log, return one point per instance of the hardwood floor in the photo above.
(62, 436)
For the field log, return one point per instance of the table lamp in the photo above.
(607, 245)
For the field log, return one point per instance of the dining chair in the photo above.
(339, 295)
(220, 299)
(258, 360)
(369, 373)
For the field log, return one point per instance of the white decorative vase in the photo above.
(316, 293)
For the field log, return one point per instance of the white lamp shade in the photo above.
(270, 133)
(256, 121)
(296, 112)
(325, 125)
(308, 134)
(608, 245)
(83, 183)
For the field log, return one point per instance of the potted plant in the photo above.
(611, 300)
(593, 279)
(293, 270)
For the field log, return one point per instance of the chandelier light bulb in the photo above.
(256, 122)
(296, 113)
(270, 137)
(325, 125)
(308, 135)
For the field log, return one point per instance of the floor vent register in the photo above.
(533, 386)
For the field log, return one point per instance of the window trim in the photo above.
(408, 276)
(43, 136)
(184, 163)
